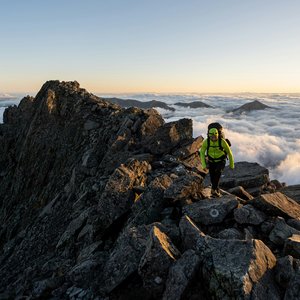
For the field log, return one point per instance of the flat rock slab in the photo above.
(211, 211)
(245, 174)
(277, 204)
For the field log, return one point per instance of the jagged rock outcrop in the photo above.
(101, 202)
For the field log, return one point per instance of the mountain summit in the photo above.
(248, 107)
(102, 202)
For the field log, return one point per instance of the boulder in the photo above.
(154, 266)
(240, 192)
(293, 289)
(118, 195)
(245, 174)
(184, 188)
(124, 259)
(281, 232)
(277, 204)
(284, 271)
(292, 246)
(168, 136)
(247, 214)
(230, 234)
(148, 205)
(191, 236)
(211, 211)
(234, 269)
(180, 275)
(292, 191)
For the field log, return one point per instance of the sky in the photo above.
(161, 46)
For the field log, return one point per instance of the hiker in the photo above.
(213, 154)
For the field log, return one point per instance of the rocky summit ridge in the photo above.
(102, 202)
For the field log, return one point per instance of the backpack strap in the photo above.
(223, 157)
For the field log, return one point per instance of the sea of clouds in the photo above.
(269, 137)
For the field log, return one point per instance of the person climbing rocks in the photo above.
(213, 154)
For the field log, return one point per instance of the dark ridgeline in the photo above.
(251, 106)
(140, 104)
(101, 201)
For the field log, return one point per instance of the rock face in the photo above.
(102, 202)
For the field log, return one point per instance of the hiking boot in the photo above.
(215, 193)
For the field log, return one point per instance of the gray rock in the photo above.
(292, 246)
(234, 268)
(230, 234)
(281, 232)
(169, 136)
(277, 204)
(73, 229)
(184, 188)
(284, 271)
(148, 206)
(245, 174)
(247, 214)
(159, 255)
(241, 193)
(43, 288)
(125, 257)
(118, 196)
(294, 223)
(180, 275)
(191, 236)
(211, 211)
(293, 289)
(292, 191)
(83, 273)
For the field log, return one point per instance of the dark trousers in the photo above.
(215, 171)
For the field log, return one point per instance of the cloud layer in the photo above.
(269, 137)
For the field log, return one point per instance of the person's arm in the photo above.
(202, 153)
(229, 153)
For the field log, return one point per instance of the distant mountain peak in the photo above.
(254, 105)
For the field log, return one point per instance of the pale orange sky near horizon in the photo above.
(154, 46)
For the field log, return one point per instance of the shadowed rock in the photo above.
(247, 214)
(292, 246)
(292, 191)
(181, 274)
(159, 255)
(281, 232)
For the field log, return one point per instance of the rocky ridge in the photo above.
(101, 202)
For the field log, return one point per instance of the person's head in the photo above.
(213, 134)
